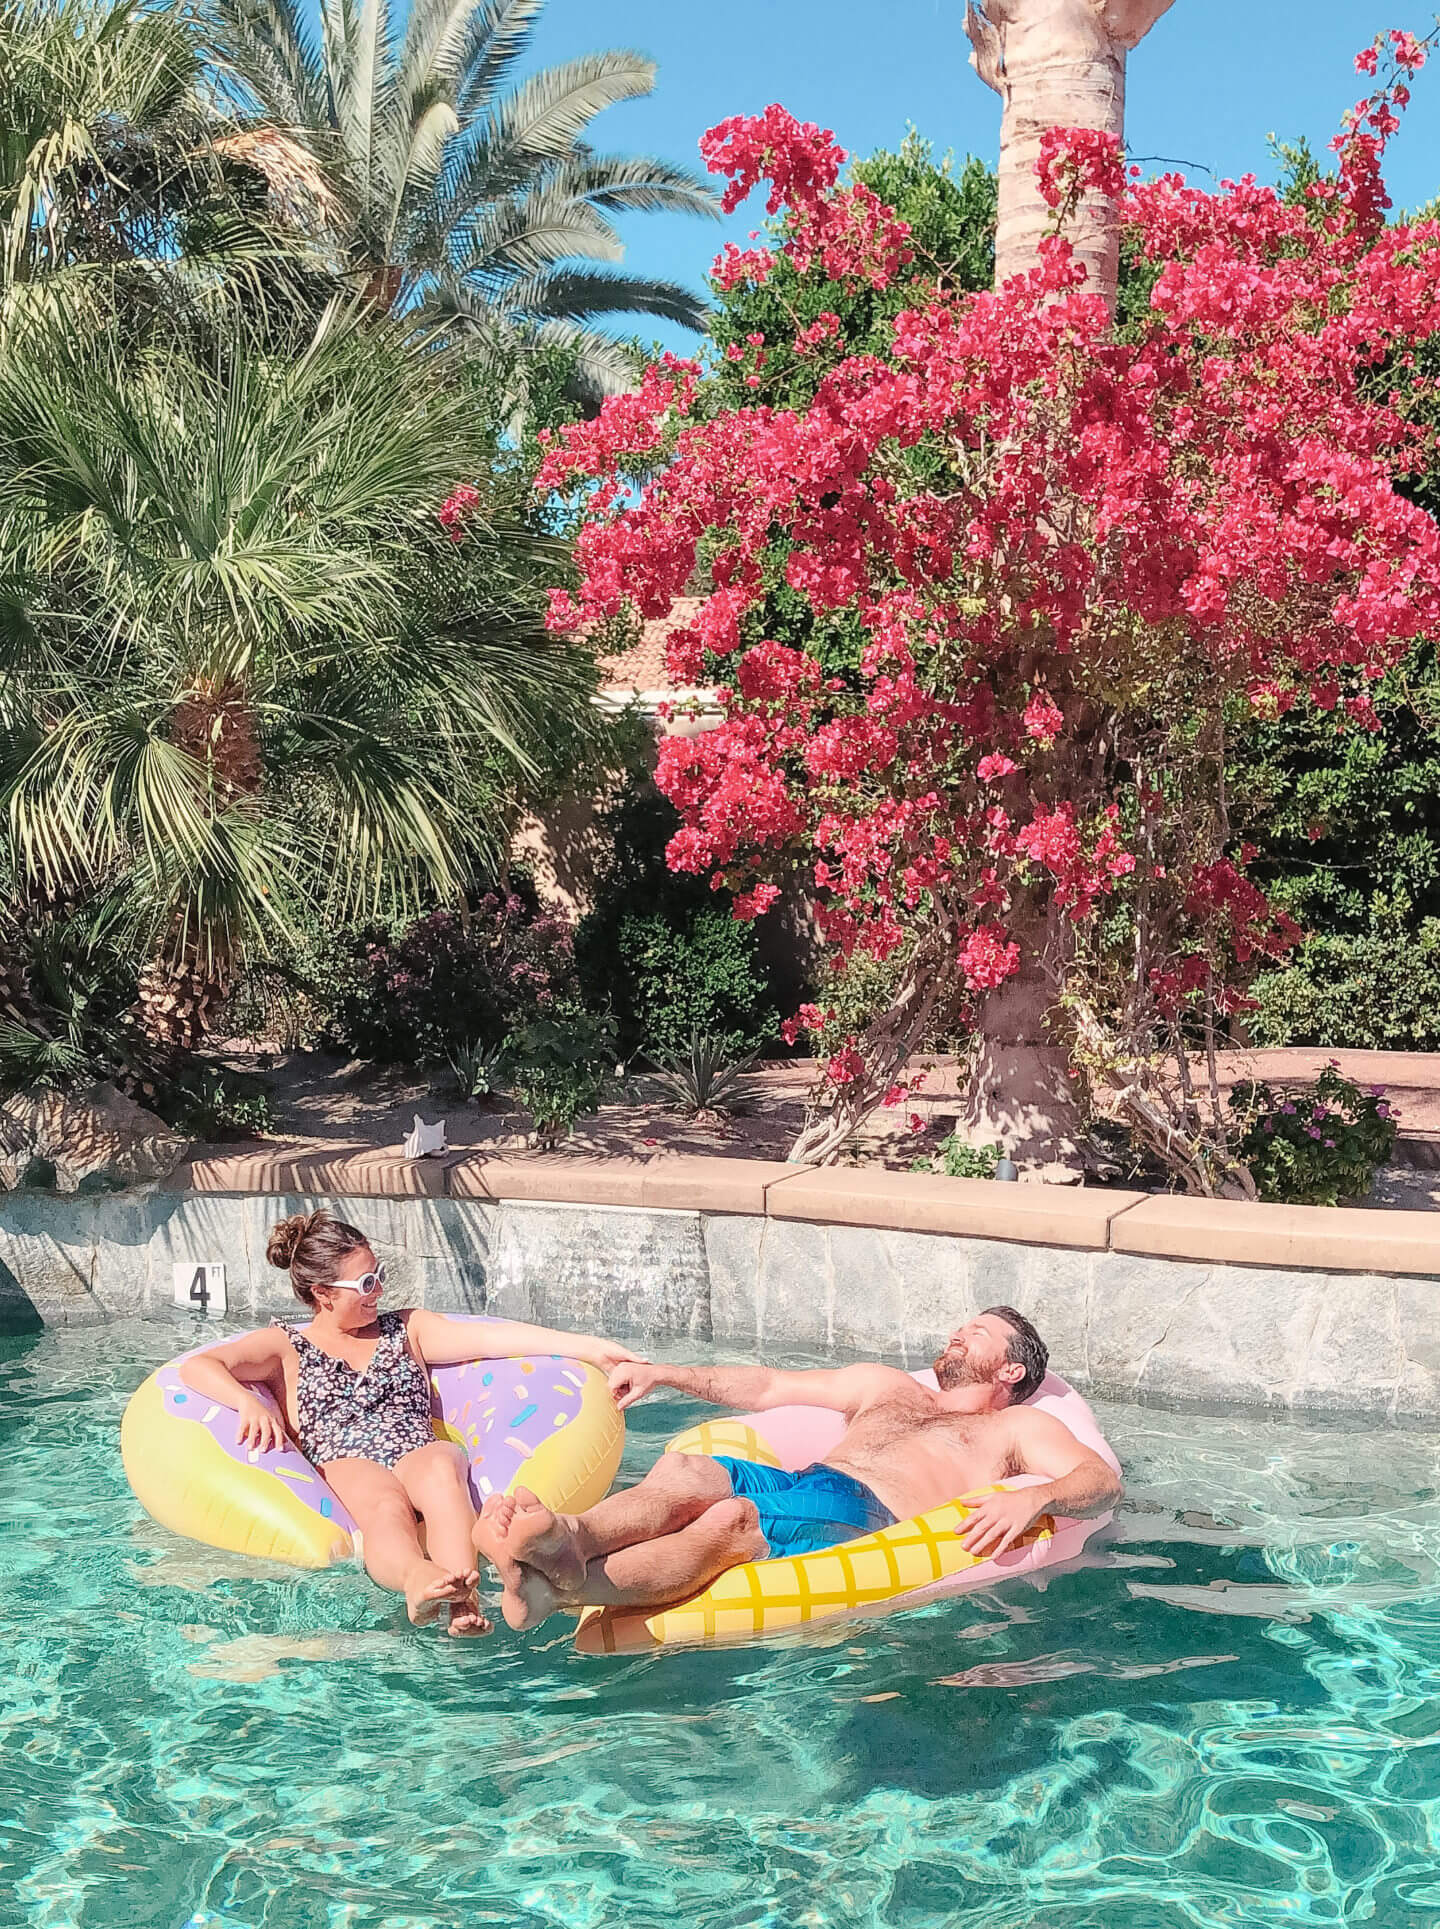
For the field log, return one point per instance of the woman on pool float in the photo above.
(353, 1384)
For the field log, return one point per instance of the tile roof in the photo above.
(641, 668)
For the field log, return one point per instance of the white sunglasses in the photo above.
(366, 1283)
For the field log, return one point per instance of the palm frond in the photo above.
(571, 294)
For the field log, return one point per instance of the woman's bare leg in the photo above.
(394, 1557)
(647, 1573)
(436, 1480)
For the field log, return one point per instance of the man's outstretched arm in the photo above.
(756, 1389)
(1077, 1485)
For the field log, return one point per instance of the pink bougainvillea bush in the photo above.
(1079, 558)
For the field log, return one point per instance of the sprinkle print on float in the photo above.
(555, 1430)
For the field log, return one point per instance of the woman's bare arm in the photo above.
(226, 1373)
(446, 1342)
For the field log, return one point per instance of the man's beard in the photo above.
(954, 1369)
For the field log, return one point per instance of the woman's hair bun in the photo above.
(285, 1238)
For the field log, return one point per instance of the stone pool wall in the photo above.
(1166, 1300)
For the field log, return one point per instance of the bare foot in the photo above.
(430, 1588)
(467, 1618)
(530, 1600)
(550, 1542)
(491, 1537)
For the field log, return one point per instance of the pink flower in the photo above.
(1367, 60)
(755, 902)
(987, 959)
(992, 768)
(1043, 719)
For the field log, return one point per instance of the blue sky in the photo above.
(1207, 86)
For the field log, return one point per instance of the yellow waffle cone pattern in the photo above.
(763, 1597)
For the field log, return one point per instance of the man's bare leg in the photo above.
(516, 1528)
(646, 1573)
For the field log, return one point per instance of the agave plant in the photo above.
(442, 184)
(708, 1081)
(244, 672)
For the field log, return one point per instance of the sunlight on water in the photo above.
(1231, 1717)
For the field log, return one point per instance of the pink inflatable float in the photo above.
(906, 1563)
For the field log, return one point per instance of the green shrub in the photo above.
(1313, 1145)
(1347, 831)
(958, 1161)
(701, 976)
(1379, 992)
(661, 950)
(208, 1102)
(557, 1068)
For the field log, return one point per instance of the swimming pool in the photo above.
(1233, 1719)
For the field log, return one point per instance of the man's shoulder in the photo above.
(886, 1382)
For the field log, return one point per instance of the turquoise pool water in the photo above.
(1233, 1718)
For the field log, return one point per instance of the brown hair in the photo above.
(309, 1247)
(1026, 1348)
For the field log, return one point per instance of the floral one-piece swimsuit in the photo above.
(381, 1414)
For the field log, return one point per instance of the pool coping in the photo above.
(1085, 1219)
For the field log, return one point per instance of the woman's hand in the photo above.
(260, 1429)
(606, 1354)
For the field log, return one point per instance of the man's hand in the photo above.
(606, 1354)
(998, 1520)
(260, 1430)
(631, 1380)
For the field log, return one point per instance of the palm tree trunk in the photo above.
(1055, 63)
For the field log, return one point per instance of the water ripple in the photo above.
(185, 1734)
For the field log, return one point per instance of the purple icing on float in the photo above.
(502, 1410)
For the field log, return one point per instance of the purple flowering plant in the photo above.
(1313, 1144)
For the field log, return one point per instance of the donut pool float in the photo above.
(545, 1421)
(914, 1560)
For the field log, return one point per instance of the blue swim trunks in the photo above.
(802, 1512)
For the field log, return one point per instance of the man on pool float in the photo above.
(907, 1448)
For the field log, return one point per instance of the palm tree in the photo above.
(108, 155)
(440, 184)
(244, 672)
(1055, 63)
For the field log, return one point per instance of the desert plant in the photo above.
(476, 1069)
(709, 1079)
